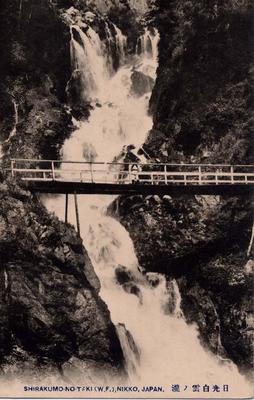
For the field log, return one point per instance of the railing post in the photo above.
(185, 179)
(129, 172)
(199, 175)
(53, 170)
(91, 171)
(165, 171)
(232, 174)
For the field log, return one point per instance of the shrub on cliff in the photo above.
(203, 92)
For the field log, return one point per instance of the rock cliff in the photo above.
(52, 317)
(51, 312)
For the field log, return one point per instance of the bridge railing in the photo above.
(128, 173)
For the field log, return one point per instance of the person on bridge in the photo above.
(129, 160)
(135, 169)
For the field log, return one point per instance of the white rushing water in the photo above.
(16, 120)
(14, 129)
(165, 348)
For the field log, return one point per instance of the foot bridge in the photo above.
(76, 177)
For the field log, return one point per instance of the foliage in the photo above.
(203, 95)
(126, 19)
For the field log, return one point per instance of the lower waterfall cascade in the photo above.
(157, 343)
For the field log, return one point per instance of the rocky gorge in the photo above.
(202, 110)
(201, 107)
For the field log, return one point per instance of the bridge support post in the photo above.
(66, 207)
(165, 173)
(77, 212)
(12, 168)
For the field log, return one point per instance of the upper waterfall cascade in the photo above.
(147, 44)
(121, 43)
(169, 350)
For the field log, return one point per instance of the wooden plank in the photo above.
(150, 181)
(89, 188)
(141, 173)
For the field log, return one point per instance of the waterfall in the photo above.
(110, 44)
(121, 44)
(16, 120)
(158, 345)
(147, 44)
(251, 242)
(130, 351)
(177, 300)
(147, 51)
(89, 60)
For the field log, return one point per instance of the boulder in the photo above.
(141, 83)
(123, 275)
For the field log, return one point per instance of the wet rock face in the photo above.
(141, 83)
(218, 296)
(50, 307)
(171, 233)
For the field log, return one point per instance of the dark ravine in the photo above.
(202, 112)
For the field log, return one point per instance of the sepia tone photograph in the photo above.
(126, 199)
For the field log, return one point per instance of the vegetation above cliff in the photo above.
(202, 102)
(34, 71)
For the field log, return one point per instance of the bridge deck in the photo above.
(54, 176)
